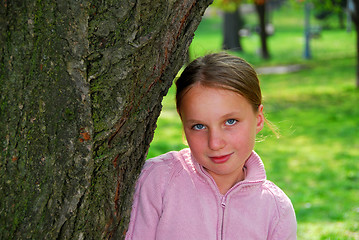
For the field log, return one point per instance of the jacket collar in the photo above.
(254, 167)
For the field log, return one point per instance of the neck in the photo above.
(225, 182)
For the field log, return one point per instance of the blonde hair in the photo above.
(222, 70)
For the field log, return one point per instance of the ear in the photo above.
(260, 118)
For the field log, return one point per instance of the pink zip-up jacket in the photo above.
(176, 199)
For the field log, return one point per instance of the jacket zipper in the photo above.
(223, 204)
(223, 200)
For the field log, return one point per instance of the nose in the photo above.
(216, 140)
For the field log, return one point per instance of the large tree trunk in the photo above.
(261, 10)
(81, 84)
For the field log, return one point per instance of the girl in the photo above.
(216, 189)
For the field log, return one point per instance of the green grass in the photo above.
(315, 161)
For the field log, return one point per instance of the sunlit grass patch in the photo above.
(329, 231)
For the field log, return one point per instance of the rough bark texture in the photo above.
(80, 89)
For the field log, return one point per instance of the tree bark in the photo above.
(81, 84)
(261, 10)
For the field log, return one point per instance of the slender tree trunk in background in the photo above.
(261, 10)
(81, 84)
(355, 18)
(357, 49)
(231, 27)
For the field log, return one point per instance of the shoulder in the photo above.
(282, 201)
(286, 224)
(148, 200)
(170, 161)
(162, 168)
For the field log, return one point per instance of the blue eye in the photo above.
(198, 127)
(231, 122)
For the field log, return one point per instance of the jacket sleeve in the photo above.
(286, 228)
(286, 224)
(147, 202)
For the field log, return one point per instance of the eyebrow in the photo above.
(192, 121)
(226, 116)
(229, 115)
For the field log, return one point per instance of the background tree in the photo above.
(80, 90)
(353, 8)
(355, 17)
(232, 24)
(322, 11)
(261, 11)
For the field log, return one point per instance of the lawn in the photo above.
(315, 160)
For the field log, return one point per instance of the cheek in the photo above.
(195, 141)
(242, 137)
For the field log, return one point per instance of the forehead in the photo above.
(209, 93)
(201, 101)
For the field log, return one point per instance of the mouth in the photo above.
(221, 159)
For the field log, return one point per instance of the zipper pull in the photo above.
(223, 203)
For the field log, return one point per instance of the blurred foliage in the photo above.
(226, 5)
(232, 5)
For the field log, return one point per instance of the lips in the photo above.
(220, 159)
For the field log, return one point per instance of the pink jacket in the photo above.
(176, 199)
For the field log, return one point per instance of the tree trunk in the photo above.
(261, 10)
(81, 84)
(231, 27)
(355, 18)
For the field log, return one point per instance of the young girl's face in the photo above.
(220, 127)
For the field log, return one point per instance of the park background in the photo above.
(315, 108)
